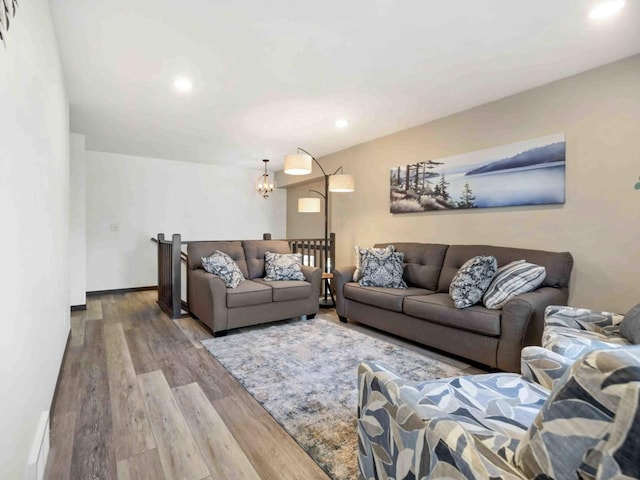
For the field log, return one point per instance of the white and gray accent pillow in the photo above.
(382, 270)
(222, 265)
(472, 279)
(630, 325)
(513, 279)
(283, 266)
(360, 251)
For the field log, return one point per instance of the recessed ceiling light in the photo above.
(606, 9)
(341, 123)
(182, 84)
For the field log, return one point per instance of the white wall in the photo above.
(34, 214)
(145, 196)
(77, 222)
(599, 113)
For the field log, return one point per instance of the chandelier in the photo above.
(264, 185)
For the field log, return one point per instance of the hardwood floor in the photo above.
(140, 398)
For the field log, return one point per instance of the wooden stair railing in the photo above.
(169, 274)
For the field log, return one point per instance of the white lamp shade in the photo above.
(341, 183)
(308, 205)
(297, 164)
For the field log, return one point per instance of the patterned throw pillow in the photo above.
(472, 280)
(511, 280)
(630, 325)
(382, 270)
(283, 266)
(360, 254)
(222, 265)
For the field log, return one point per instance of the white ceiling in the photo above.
(273, 75)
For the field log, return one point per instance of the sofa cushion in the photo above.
(284, 290)
(386, 298)
(513, 279)
(382, 270)
(222, 265)
(439, 308)
(422, 262)
(249, 293)
(254, 251)
(557, 265)
(472, 280)
(197, 250)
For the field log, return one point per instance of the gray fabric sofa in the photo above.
(255, 300)
(425, 313)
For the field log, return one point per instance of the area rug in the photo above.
(305, 375)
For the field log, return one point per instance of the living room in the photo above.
(95, 165)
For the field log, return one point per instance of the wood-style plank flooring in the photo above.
(140, 398)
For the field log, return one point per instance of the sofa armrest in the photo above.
(397, 441)
(219, 295)
(341, 276)
(543, 366)
(313, 275)
(579, 318)
(522, 322)
(208, 299)
(310, 273)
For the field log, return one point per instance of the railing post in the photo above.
(160, 265)
(332, 249)
(176, 270)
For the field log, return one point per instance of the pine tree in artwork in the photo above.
(467, 198)
(441, 188)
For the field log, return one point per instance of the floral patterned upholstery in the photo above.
(475, 427)
(570, 333)
(589, 427)
(463, 427)
(543, 366)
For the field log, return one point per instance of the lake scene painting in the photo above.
(524, 173)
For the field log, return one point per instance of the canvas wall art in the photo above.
(7, 12)
(531, 172)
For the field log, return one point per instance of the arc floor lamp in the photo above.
(301, 163)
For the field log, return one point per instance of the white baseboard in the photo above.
(39, 450)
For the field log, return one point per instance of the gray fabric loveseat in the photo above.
(425, 313)
(255, 300)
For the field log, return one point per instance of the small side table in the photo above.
(324, 301)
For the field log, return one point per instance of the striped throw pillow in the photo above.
(511, 280)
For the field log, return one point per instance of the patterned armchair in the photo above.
(569, 333)
(503, 426)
